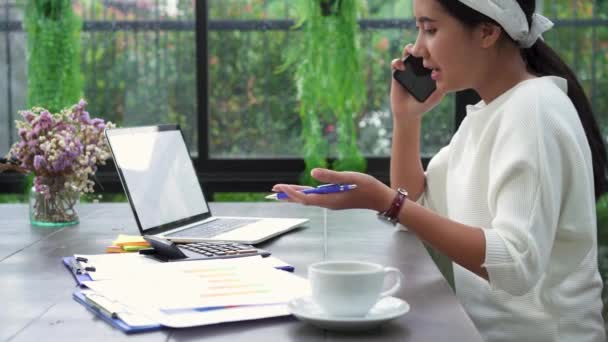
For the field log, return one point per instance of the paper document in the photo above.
(112, 266)
(203, 292)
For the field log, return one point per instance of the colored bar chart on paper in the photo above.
(179, 289)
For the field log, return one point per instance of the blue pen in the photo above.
(321, 189)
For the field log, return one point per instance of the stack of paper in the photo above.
(192, 293)
(127, 243)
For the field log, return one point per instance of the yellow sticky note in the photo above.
(133, 248)
(130, 240)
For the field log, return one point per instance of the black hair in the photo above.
(541, 60)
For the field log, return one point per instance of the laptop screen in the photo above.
(158, 176)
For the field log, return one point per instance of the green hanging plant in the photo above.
(330, 81)
(53, 37)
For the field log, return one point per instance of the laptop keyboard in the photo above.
(213, 228)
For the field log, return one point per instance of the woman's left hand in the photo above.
(369, 194)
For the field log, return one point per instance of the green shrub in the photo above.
(53, 37)
(13, 198)
(240, 196)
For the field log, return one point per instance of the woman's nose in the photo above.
(418, 49)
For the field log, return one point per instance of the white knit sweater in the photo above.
(520, 169)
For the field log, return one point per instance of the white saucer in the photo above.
(386, 309)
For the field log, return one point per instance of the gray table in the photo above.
(36, 290)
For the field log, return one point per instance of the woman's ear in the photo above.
(488, 34)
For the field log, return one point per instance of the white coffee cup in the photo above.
(350, 288)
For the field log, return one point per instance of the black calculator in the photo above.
(170, 251)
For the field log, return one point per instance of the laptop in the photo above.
(167, 200)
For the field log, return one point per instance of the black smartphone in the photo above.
(416, 78)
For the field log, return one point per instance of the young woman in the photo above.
(511, 199)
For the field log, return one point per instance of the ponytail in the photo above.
(544, 61)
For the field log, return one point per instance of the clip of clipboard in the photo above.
(109, 315)
(79, 271)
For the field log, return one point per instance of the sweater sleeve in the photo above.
(434, 195)
(524, 196)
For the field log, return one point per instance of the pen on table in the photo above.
(321, 189)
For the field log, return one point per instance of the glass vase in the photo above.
(53, 203)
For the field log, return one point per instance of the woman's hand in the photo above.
(369, 194)
(403, 104)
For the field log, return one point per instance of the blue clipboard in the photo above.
(115, 322)
(80, 271)
(76, 270)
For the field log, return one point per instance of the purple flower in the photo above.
(64, 126)
(61, 163)
(45, 121)
(36, 131)
(75, 151)
(39, 162)
(79, 107)
(79, 114)
(64, 137)
(99, 124)
(28, 116)
(40, 188)
(85, 118)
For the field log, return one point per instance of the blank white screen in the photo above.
(159, 175)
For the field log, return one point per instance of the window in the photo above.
(211, 66)
(253, 108)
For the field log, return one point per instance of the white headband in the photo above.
(513, 20)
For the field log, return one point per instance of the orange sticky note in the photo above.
(114, 249)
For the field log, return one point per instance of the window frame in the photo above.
(234, 174)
